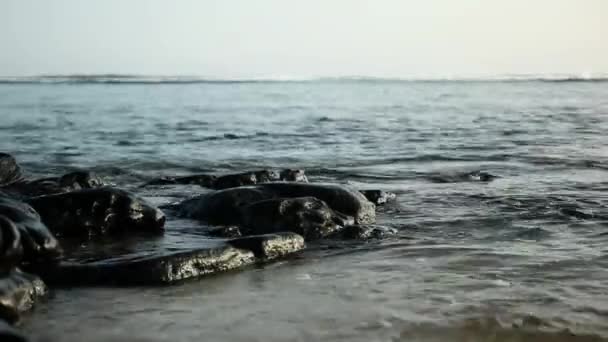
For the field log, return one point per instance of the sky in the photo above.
(304, 38)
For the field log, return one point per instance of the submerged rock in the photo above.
(225, 207)
(308, 216)
(474, 176)
(18, 293)
(98, 211)
(205, 181)
(234, 180)
(378, 197)
(365, 232)
(38, 244)
(226, 232)
(270, 246)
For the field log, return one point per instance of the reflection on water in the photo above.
(521, 257)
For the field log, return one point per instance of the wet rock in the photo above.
(224, 207)
(307, 216)
(19, 292)
(234, 180)
(10, 334)
(205, 181)
(474, 176)
(55, 185)
(11, 249)
(79, 180)
(378, 197)
(38, 244)
(290, 175)
(365, 232)
(270, 246)
(150, 268)
(226, 232)
(101, 211)
(575, 213)
(338, 197)
(9, 169)
(231, 181)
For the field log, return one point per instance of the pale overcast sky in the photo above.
(303, 38)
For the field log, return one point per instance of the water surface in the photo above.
(471, 260)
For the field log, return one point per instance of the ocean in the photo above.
(523, 257)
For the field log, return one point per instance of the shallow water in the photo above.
(471, 259)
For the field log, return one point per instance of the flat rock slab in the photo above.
(18, 293)
(270, 246)
(163, 260)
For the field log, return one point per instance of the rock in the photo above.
(307, 216)
(10, 334)
(240, 179)
(270, 246)
(155, 269)
(101, 211)
(205, 181)
(365, 232)
(224, 207)
(54, 185)
(39, 245)
(378, 197)
(338, 197)
(234, 180)
(474, 176)
(9, 169)
(144, 260)
(11, 249)
(226, 232)
(18, 293)
(290, 175)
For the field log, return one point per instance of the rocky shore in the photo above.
(74, 230)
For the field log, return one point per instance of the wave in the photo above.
(143, 79)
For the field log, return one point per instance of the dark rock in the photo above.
(575, 213)
(39, 245)
(290, 175)
(157, 260)
(270, 246)
(98, 211)
(10, 334)
(233, 180)
(474, 176)
(54, 185)
(11, 249)
(378, 197)
(307, 216)
(18, 293)
(338, 197)
(226, 232)
(9, 169)
(149, 269)
(205, 181)
(80, 180)
(224, 207)
(365, 232)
